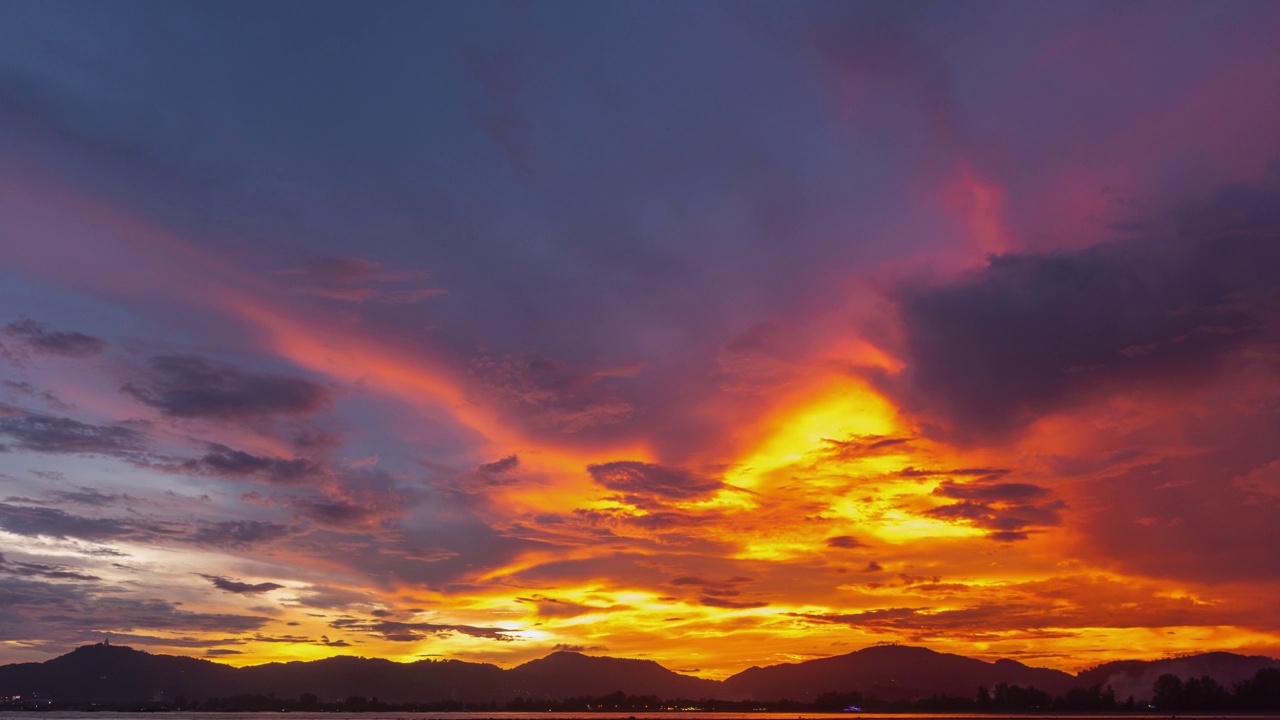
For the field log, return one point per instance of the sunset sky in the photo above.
(716, 334)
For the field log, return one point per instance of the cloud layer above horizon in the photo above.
(717, 334)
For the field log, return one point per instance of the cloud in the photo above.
(991, 492)
(89, 496)
(187, 386)
(329, 598)
(879, 618)
(182, 641)
(1036, 606)
(237, 534)
(41, 433)
(240, 588)
(719, 602)
(218, 652)
(1032, 333)
(39, 338)
(52, 522)
(855, 447)
(982, 472)
(567, 647)
(1007, 510)
(642, 480)
(48, 397)
(549, 607)
(503, 465)
(550, 394)
(42, 570)
(415, 631)
(845, 542)
(1261, 484)
(357, 280)
(718, 593)
(222, 461)
(66, 615)
(284, 639)
(1188, 517)
(359, 497)
(57, 523)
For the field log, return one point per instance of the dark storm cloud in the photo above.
(187, 386)
(1007, 510)
(1032, 333)
(845, 542)
(992, 492)
(237, 534)
(335, 512)
(41, 433)
(222, 461)
(240, 588)
(503, 465)
(39, 338)
(646, 480)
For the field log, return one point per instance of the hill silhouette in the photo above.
(1136, 677)
(392, 682)
(890, 672)
(118, 675)
(571, 674)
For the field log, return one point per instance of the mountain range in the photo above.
(117, 674)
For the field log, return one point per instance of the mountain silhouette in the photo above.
(339, 677)
(1136, 678)
(118, 675)
(571, 674)
(890, 672)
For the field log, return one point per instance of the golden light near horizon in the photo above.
(834, 409)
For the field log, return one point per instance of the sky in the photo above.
(718, 334)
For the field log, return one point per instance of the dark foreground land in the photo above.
(882, 679)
